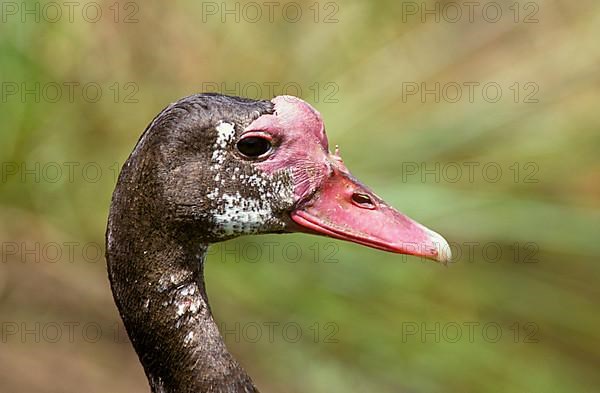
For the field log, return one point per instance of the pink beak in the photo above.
(343, 208)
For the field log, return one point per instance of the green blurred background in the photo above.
(526, 239)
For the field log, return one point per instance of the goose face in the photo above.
(328, 200)
(244, 169)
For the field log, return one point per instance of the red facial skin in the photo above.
(329, 200)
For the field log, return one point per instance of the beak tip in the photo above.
(438, 248)
(443, 251)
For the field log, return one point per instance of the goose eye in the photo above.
(253, 146)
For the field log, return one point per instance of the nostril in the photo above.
(363, 200)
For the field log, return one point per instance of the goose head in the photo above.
(228, 167)
(210, 168)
